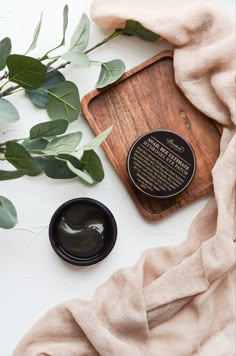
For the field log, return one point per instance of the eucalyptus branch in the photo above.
(48, 65)
(9, 90)
(4, 84)
(4, 76)
(12, 89)
(3, 158)
(48, 148)
(99, 44)
(61, 66)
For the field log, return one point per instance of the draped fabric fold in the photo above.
(176, 301)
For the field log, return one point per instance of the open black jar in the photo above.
(161, 164)
(82, 231)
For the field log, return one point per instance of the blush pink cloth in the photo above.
(175, 301)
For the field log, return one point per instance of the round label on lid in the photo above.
(161, 163)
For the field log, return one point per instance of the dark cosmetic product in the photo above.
(161, 164)
(82, 231)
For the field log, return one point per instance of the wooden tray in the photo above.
(147, 98)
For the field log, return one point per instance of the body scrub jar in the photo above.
(161, 164)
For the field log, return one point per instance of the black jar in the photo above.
(161, 164)
(82, 231)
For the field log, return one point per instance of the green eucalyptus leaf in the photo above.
(64, 102)
(134, 28)
(110, 72)
(36, 146)
(48, 129)
(56, 167)
(40, 163)
(5, 50)
(6, 175)
(40, 98)
(8, 112)
(97, 140)
(8, 215)
(93, 165)
(64, 144)
(36, 35)
(17, 155)
(82, 175)
(65, 23)
(80, 38)
(26, 71)
(77, 57)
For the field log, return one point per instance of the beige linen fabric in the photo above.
(175, 301)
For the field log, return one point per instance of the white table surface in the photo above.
(32, 277)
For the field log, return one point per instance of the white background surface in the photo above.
(32, 277)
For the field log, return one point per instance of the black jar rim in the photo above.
(75, 260)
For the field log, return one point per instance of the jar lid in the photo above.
(82, 231)
(161, 163)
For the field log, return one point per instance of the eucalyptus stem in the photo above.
(4, 76)
(105, 40)
(63, 65)
(51, 50)
(9, 90)
(17, 90)
(54, 58)
(4, 84)
(96, 62)
(39, 155)
(51, 62)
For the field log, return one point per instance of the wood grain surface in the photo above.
(147, 98)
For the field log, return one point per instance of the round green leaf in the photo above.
(36, 146)
(93, 165)
(110, 72)
(48, 128)
(8, 112)
(26, 71)
(78, 58)
(8, 215)
(5, 50)
(7, 175)
(64, 144)
(17, 155)
(40, 98)
(56, 168)
(64, 102)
